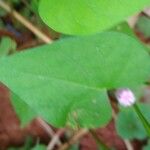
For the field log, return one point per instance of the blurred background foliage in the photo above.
(29, 9)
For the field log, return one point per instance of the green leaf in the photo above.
(138, 92)
(124, 28)
(23, 110)
(87, 16)
(34, 5)
(39, 147)
(66, 82)
(128, 124)
(6, 45)
(74, 147)
(15, 1)
(143, 119)
(143, 25)
(2, 13)
(147, 147)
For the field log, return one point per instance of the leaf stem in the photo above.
(144, 121)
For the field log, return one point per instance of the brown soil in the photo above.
(10, 132)
(12, 135)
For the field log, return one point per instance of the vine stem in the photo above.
(144, 121)
(25, 22)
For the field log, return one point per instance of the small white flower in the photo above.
(125, 97)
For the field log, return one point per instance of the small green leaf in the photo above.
(39, 147)
(124, 28)
(34, 5)
(74, 147)
(87, 16)
(2, 12)
(143, 25)
(6, 46)
(128, 124)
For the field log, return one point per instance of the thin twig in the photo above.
(132, 20)
(146, 11)
(55, 138)
(48, 130)
(74, 139)
(25, 22)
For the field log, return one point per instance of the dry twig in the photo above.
(25, 22)
(55, 139)
(74, 139)
(48, 130)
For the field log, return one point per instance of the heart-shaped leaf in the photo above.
(66, 82)
(87, 16)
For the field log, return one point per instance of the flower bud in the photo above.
(125, 97)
